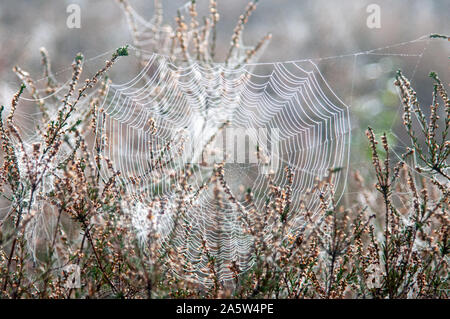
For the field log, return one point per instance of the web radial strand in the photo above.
(169, 117)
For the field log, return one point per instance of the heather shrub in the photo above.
(390, 241)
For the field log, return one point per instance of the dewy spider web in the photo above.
(192, 103)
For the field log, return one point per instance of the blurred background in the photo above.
(315, 29)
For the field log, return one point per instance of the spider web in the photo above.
(289, 102)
